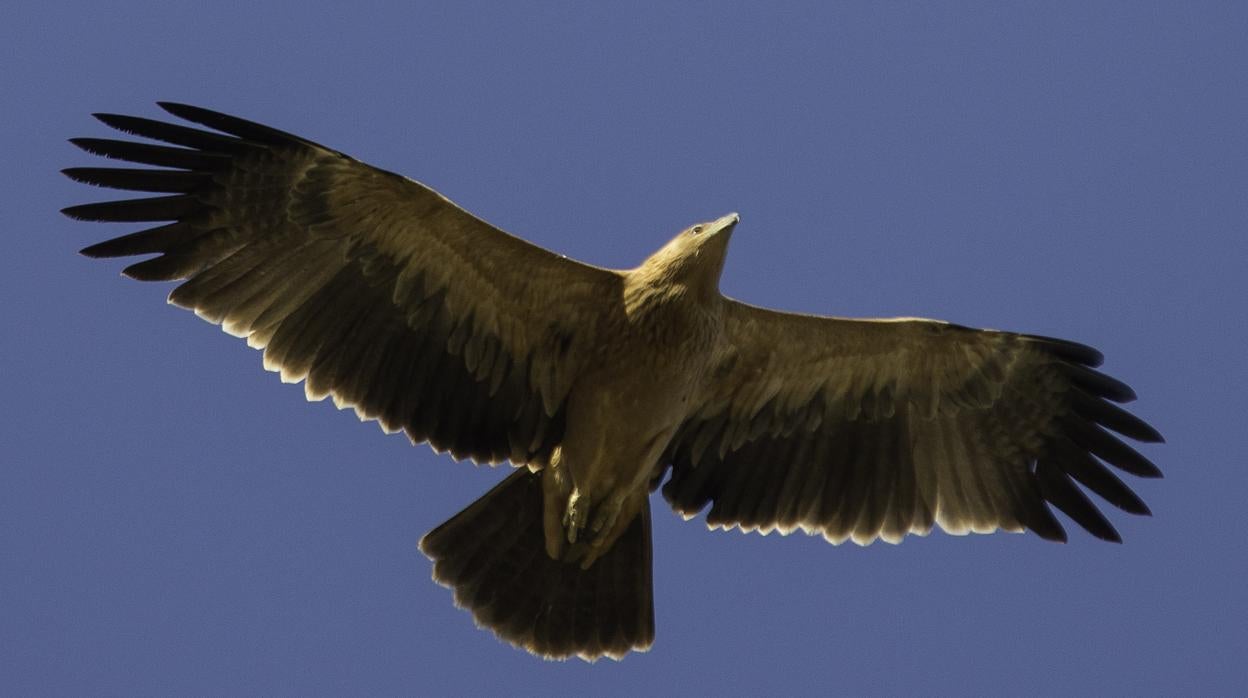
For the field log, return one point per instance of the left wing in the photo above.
(858, 429)
(375, 289)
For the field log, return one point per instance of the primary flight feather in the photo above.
(381, 293)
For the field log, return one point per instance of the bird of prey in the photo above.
(596, 383)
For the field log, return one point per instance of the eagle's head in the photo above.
(694, 258)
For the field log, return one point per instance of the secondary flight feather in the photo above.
(382, 294)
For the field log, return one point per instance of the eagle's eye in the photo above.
(697, 229)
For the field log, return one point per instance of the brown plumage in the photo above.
(379, 292)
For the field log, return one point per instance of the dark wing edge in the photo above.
(374, 289)
(859, 429)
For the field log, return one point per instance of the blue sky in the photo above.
(175, 520)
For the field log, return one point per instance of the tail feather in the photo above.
(493, 556)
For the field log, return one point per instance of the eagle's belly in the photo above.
(618, 426)
(621, 414)
(625, 409)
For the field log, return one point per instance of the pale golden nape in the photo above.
(384, 295)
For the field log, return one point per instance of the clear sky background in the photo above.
(174, 520)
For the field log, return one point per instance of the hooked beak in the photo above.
(725, 224)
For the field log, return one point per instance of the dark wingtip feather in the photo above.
(1095, 476)
(117, 121)
(149, 241)
(203, 116)
(1109, 534)
(96, 251)
(131, 179)
(178, 108)
(1071, 351)
(163, 268)
(1098, 383)
(72, 212)
(1114, 417)
(1108, 448)
(1042, 523)
(1058, 489)
(1102, 530)
(190, 112)
(152, 154)
(177, 135)
(232, 125)
(156, 208)
(1058, 536)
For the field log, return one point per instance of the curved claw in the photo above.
(575, 515)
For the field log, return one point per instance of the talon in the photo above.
(575, 515)
(604, 519)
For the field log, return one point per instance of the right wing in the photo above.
(865, 429)
(374, 288)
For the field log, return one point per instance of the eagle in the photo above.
(602, 385)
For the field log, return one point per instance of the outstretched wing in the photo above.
(858, 429)
(372, 287)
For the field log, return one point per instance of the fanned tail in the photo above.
(493, 556)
